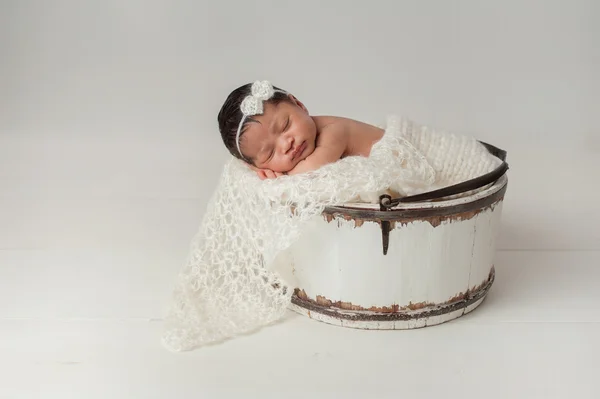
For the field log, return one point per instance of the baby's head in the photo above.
(267, 127)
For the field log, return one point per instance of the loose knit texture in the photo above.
(228, 285)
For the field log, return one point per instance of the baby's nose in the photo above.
(288, 143)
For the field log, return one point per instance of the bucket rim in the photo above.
(463, 199)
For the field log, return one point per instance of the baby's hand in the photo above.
(266, 173)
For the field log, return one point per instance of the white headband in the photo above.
(253, 104)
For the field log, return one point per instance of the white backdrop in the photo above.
(109, 147)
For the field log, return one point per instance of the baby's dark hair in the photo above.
(230, 115)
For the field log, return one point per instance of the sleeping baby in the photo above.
(272, 131)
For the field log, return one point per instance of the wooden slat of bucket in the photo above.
(433, 265)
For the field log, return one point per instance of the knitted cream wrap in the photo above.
(229, 286)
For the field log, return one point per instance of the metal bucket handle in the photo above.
(386, 202)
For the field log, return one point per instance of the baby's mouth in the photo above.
(299, 150)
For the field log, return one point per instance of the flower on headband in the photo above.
(253, 104)
(262, 89)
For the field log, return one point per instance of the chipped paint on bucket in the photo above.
(438, 265)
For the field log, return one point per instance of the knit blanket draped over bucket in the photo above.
(228, 285)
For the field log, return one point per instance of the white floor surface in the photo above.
(536, 336)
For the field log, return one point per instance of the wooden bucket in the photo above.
(405, 263)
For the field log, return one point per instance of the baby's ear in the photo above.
(298, 103)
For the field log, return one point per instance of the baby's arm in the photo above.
(331, 145)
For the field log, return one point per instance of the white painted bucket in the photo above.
(412, 265)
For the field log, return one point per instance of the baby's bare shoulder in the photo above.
(333, 131)
(360, 136)
(354, 136)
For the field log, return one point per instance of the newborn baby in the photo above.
(274, 134)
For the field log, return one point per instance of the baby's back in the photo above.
(356, 137)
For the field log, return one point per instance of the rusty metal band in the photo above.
(432, 310)
(401, 215)
(435, 216)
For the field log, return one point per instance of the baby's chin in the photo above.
(300, 160)
(307, 153)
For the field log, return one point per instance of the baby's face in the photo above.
(284, 135)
